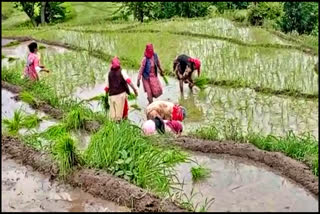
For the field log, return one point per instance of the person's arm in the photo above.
(143, 64)
(128, 80)
(160, 67)
(106, 89)
(38, 67)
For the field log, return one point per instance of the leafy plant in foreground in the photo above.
(14, 124)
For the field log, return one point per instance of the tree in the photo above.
(300, 16)
(41, 12)
(140, 10)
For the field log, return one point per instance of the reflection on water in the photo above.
(25, 190)
(238, 186)
(254, 111)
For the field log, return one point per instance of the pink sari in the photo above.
(30, 69)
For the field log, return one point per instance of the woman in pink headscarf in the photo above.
(149, 73)
(117, 87)
(160, 126)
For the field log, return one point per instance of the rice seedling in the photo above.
(207, 204)
(132, 97)
(30, 121)
(165, 79)
(123, 150)
(65, 153)
(13, 125)
(201, 82)
(3, 56)
(136, 107)
(41, 47)
(77, 116)
(28, 98)
(11, 59)
(55, 132)
(199, 172)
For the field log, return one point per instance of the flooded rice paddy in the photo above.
(25, 190)
(241, 186)
(236, 185)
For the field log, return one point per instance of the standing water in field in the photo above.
(239, 185)
(26, 190)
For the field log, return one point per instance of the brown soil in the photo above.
(286, 166)
(98, 183)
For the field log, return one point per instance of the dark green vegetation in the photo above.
(13, 43)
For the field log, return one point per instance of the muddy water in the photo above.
(21, 50)
(24, 190)
(242, 186)
(9, 106)
(250, 110)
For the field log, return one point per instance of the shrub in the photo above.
(265, 10)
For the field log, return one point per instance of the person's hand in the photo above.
(135, 92)
(138, 83)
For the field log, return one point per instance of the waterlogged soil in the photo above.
(24, 190)
(250, 111)
(239, 185)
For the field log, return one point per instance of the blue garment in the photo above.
(147, 67)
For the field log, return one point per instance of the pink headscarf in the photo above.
(197, 64)
(175, 126)
(115, 63)
(149, 51)
(149, 127)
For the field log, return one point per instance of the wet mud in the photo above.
(98, 183)
(24, 189)
(278, 162)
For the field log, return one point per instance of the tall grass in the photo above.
(123, 150)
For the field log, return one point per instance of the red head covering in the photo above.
(175, 126)
(177, 113)
(149, 51)
(115, 63)
(197, 64)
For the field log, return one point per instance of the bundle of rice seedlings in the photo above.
(132, 96)
(13, 125)
(28, 98)
(201, 82)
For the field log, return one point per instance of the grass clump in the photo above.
(124, 151)
(55, 132)
(13, 125)
(64, 152)
(303, 148)
(201, 82)
(77, 117)
(30, 121)
(3, 56)
(28, 98)
(199, 173)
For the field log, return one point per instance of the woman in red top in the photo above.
(149, 73)
(33, 66)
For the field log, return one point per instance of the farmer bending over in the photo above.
(117, 87)
(183, 67)
(165, 110)
(162, 126)
(33, 66)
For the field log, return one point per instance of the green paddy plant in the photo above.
(3, 56)
(54, 132)
(65, 153)
(136, 107)
(13, 43)
(199, 172)
(30, 121)
(77, 116)
(13, 125)
(122, 149)
(28, 98)
(201, 82)
(132, 96)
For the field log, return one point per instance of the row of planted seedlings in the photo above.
(120, 149)
(224, 63)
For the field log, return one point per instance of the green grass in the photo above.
(55, 132)
(28, 98)
(124, 151)
(199, 173)
(31, 121)
(77, 116)
(303, 148)
(13, 125)
(65, 153)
